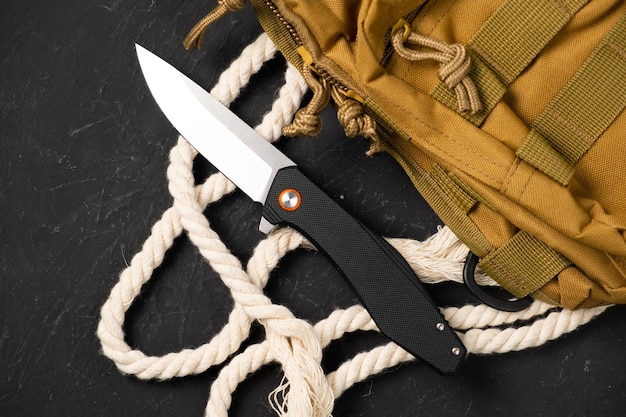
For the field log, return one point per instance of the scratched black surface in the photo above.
(84, 152)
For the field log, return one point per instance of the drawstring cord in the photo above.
(351, 114)
(196, 34)
(307, 120)
(455, 63)
(355, 121)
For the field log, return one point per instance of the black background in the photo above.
(82, 180)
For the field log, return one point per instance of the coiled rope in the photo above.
(294, 343)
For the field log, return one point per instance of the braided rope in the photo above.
(291, 341)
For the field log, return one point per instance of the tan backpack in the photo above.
(508, 116)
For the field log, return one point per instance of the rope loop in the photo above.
(307, 120)
(455, 63)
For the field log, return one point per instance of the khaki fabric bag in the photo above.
(508, 116)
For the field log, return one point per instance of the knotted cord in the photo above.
(291, 341)
(307, 121)
(455, 63)
(355, 121)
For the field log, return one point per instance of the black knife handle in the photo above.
(386, 285)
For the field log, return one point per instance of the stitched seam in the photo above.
(492, 63)
(562, 7)
(525, 187)
(461, 162)
(571, 126)
(429, 7)
(441, 18)
(616, 48)
(515, 167)
(454, 139)
(618, 262)
(505, 272)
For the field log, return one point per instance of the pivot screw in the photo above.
(289, 199)
(456, 351)
(441, 326)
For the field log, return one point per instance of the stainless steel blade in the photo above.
(232, 146)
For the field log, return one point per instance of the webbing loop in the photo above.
(523, 264)
(455, 63)
(507, 43)
(581, 112)
(491, 300)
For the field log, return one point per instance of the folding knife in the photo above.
(386, 285)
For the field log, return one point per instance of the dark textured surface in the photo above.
(82, 180)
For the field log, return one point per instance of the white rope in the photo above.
(292, 342)
(440, 258)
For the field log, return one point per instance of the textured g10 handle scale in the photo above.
(384, 282)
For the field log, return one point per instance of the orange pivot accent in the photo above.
(289, 199)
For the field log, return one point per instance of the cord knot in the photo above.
(455, 63)
(352, 117)
(356, 121)
(307, 120)
(457, 67)
(455, 75)
(304, 123)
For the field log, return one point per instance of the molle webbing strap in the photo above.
(523, 264)
(506, 44)
(518, 31)
(538, 152)
(578, 115)
(450, 187)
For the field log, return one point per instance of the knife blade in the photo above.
(387, 287)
